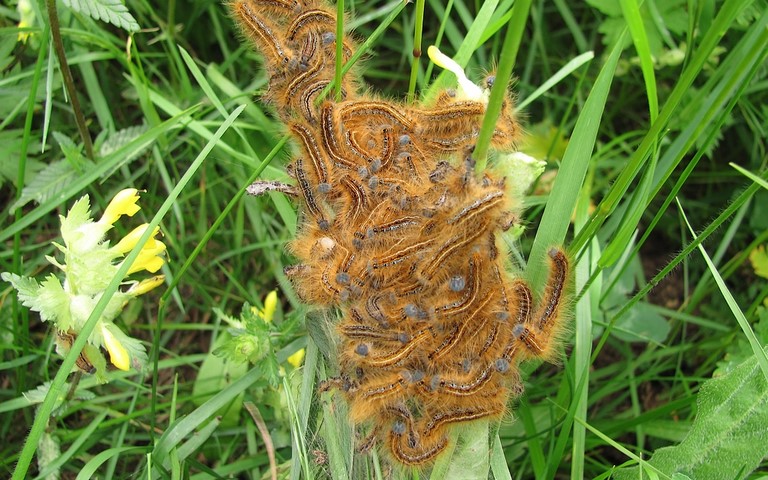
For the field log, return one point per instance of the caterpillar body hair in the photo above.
(402, 238)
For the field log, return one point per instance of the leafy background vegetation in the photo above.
(656, 144)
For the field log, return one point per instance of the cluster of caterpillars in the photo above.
(402, 237)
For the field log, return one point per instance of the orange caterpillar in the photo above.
(402, 238)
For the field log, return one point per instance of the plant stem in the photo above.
(498, 92)
(339, 46)
(66, 74)
(417, 34)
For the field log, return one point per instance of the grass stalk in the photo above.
(501, 84)
(66, 75)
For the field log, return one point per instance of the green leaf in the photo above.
(642, 324)
(48, 183)
(728, 435)
(49, 299)
(175, 434)
(112, 11)
(77, 216)
(119, 139)
(216, 373)
(26, 287)
(557, 214)
(90, 468)
(739, 349)
(195, 441)
(471, 459)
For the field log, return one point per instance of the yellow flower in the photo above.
(149, 258)
(124, 203)
(26, 18)
(270, 305)
(297, 358)
(118, 355)
(129, 241)
(146, 285)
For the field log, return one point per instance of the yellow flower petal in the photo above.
(150, 263)
(145, 286)
(118, 355)
(129, 241)
(124, 203)
(297, 358)
(149, 258)
(26, 18)
(270, 305)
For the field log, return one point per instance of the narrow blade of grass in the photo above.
(566, 70)
(750, 175)
(762, 358)
(557, 213)
(723, 22)
(91, 466)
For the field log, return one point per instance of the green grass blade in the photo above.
(177, 431)
(750, 175)
(91, 466)
(557, 213)
(566, 70)
(417, 37)
(499, 466)
(53, 467)
(722, 23)
(631, 10)
(757, 348)
(300, 414)
(582, 339)
(647, 467)
(196, 441)
(503, 74)
(203, 82)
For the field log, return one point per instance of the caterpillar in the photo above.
(401, 237)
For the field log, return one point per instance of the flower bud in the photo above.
(146, 285)
(124, 203)
(118, 355)
(298, 357)
(270, 305)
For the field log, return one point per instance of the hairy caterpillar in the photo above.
(401, 237)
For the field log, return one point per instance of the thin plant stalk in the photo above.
(417, 38)
(66, 75)
(503, 74)
(339, 45)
